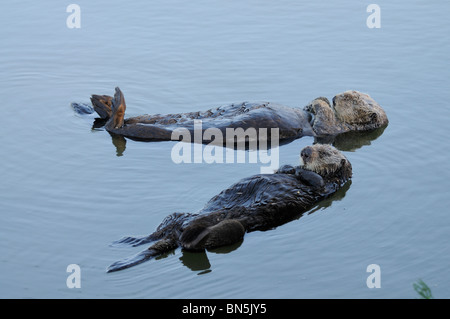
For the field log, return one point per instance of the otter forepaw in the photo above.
(286, 169)
(309, 178)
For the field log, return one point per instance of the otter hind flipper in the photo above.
(102, 105)
(118, 108)
(157, 249)
(131, 261)
(199, 237)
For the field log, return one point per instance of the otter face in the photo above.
(358, 111)
(326, 161)
(351, 111)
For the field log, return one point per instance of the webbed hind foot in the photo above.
(102, 105)
(118, 108)
(157, 249)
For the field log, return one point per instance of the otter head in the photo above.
(326, 161)
(358, 111)
(351, 111)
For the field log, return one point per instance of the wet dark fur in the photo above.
(259, 202)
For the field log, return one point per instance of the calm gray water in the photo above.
(65, 195)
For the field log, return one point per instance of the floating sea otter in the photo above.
(351, 111)
(258, 202)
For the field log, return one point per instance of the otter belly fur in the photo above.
(258, 202)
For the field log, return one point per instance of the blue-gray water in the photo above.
(65, 195)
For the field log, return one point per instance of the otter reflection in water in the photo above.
(350, 111)
(259, 202)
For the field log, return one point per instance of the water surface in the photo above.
(66, 194)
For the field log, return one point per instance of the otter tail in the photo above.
(136, 241)
(157, 249)
(166, 235)
(169, 226)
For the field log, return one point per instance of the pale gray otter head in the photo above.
(351, 111)
(326, 161)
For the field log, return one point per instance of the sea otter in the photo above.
(349, 111)
(259, 202)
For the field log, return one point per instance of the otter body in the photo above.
(291, 123)
(351, 111)
(258, 202)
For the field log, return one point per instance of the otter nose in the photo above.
(306, 153)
